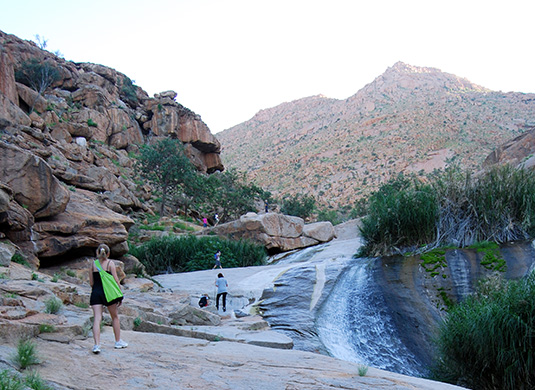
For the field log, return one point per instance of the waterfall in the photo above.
(354, 324)
(460, 273)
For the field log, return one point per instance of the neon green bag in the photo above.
(112, 291)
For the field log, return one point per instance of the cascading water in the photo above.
(460, 274)
(354, 324)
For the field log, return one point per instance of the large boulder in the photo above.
(322, 231)
(31, 179)
(12, 113)
(32, 98)
(6, 195)
(277, 232)
(7, 250)
(85, 223)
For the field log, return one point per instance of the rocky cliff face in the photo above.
(409, 119)
(519, 151)
(66, 172)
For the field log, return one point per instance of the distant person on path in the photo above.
(222, 289)
(217, 258)
(216, 218)
(266, 205)
(203, 302)
(97, 299)
(205, 222)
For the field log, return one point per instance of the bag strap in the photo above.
(99, 267)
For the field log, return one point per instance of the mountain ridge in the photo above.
(408, 119)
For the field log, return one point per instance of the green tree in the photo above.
(165, 165)
(299, 205)
(37, 75)
(229, 194)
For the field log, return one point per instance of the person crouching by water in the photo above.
(204, 301)
(98, 299)
(222, 289)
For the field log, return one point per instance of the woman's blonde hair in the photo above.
(103, 251)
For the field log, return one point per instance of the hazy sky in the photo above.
(229, 59)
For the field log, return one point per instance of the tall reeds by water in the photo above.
(450, 207)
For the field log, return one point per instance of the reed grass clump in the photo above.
(488, 340)
(451, 207)
(191, 253)
(497, 205)
(402, 213)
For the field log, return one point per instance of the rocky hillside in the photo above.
(409, 119)
(67, 179)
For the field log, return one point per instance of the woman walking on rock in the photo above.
(98, 299)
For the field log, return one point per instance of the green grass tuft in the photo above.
(26, 354)
(53, 305)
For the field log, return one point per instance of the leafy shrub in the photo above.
(191, 253)
(19, 259)
(299, 205)
(487, 341)
(183, 226)
(152, 227)
(53, 305)
(329, 215)
(137, 322)
(128, 91)
(70, 273)
(26, 354)
(37, 75)
(92, 123)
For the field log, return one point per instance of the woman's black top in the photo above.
(97, 292)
